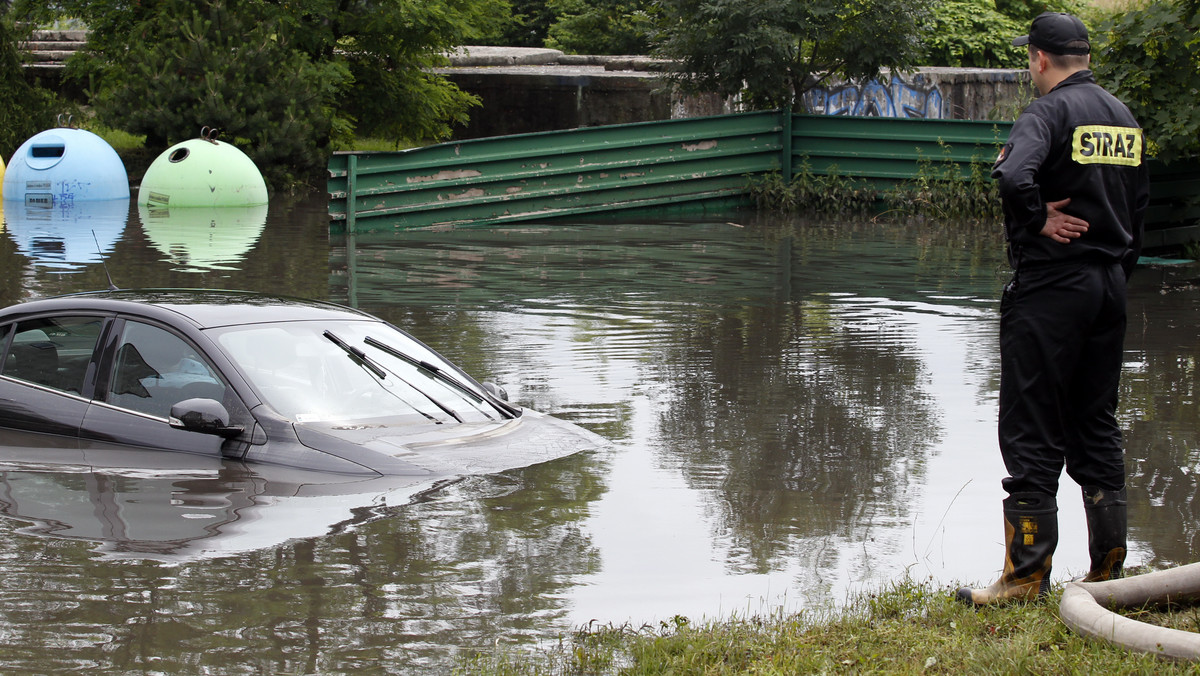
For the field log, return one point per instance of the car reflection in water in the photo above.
(168, 422)
(176, 507)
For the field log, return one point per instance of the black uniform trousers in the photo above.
(1062, 336)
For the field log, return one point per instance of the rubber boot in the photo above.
(1030, 537)
(1107, 521)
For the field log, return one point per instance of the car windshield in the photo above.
(353, 370)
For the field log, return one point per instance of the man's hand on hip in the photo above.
(1060, 227)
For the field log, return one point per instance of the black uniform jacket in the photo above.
(1078, 142)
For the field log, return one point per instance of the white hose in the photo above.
(1085, 609)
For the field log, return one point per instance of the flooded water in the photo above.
(796, 411)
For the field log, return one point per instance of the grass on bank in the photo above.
(910, 627)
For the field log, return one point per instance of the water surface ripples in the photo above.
(797, 410)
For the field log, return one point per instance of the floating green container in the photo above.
(202, 172)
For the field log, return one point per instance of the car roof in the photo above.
(205, 308)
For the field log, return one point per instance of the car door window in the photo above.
(154, 369)
(53, 352)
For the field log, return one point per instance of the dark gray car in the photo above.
(256, 378)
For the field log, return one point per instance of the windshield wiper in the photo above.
(366, 362)
(440, 374)
(357, 355)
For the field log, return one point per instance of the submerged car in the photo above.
(258, 378)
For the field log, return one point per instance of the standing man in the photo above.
(1074, 187)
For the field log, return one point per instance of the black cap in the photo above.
(1053, 31)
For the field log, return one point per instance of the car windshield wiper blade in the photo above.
(366, 362)
(357, 355)
(440, 374)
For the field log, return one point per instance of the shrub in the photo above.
(191, 65)
(24, 109)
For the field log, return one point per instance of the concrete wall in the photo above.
(942, 93)
(529, 90)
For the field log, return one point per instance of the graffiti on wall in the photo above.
(917, 97)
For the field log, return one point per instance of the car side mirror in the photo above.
(206, 416)
(495, 390)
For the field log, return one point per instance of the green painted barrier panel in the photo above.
(676, 167)
(555, 174)
(886, 151)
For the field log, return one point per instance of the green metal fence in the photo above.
(685, 166)
(555, 174)
(885, 151)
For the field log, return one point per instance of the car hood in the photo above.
(451, 450)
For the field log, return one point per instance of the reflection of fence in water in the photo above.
(644, 263)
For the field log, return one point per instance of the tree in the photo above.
(24, 109)
(527, 26)
(973, 34)
(281, 78)
(1024, 11)
(392, 48)
(772, 51)
(601, 26)
(191, 65)
(1150, 59)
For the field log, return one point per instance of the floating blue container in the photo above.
(62, 166)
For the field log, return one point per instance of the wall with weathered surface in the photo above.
(941, 93)
(529, 90)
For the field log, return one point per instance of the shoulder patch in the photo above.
(1103, 144)
(1002, 156)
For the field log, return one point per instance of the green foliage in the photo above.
(191, 65)
(601, 26)
(827, 193)
(24, 110)
(390, 50)
(1150, 59)
(526, 26)
(941, 189)
(576, 26)
(1024, 11)
(979, 33)
(972, 34)
(283, 79)
(946, 189)
(772, 51)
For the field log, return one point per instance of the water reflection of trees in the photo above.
(808, 418)
(803, 428)
(1160, 407)
(806, 421)
(488, 559)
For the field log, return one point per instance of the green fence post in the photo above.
(351, 188)
(785, 161)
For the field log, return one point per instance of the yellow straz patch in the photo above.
(1100, 144)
